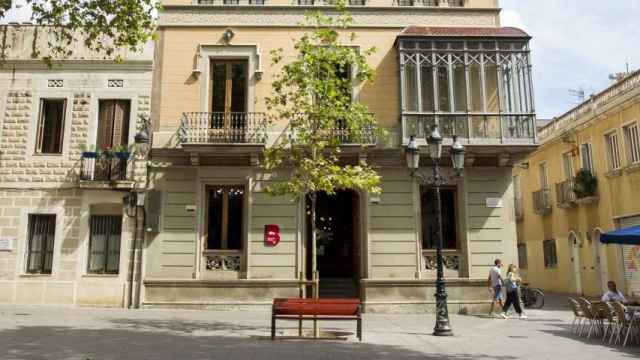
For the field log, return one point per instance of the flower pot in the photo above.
(89, 154)
(122, 155)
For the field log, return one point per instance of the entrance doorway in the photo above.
(337, 243)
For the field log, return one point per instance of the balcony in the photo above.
(471, 82)
(215, 128)
(542, 202)
(565, 194)
(367, 136)
(106, 170)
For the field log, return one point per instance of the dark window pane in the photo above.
(41, 243)
(236, 202)
(219, 78)
(238, 87)
(104, 244)
(443, 90)
(214, 239)
(449, 233)
(426, 82)
(51, 126)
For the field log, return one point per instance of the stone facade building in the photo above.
(562, 211)
(437, 62)
(65, 130)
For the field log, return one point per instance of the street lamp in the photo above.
(442, 327)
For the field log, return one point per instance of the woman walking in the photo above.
(512, 284)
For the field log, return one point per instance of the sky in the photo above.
(576, 45)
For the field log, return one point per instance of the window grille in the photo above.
(104, 244)
(115, 83)
(55, 83)
(632, 137)
(42, 230)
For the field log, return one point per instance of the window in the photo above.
(229, 86)
(586, 153)
(613, 150)
(449, 221)
(104, 244)
(41, 236)
(231, 2)
(305, 2)
(550, 255)
(226, 204)
(567, 165)
(50, 129)
(357, 2)
(113, 123)
(632, 138)
(544, 177)
(405, 2)
(522, 255)
(456, 3)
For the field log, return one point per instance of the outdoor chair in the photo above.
(626, 325)
(578, 314)
(592, 317)
(609, 318)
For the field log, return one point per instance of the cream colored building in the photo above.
(64, 236)
(559, 228)
(445, 62)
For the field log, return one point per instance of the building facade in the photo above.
(437, 62)
(561, 209)
(66, 163)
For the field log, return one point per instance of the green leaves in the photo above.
(314, 93)
(102, 26)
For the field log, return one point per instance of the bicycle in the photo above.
(532, 298)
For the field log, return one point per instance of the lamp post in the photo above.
(442, 327)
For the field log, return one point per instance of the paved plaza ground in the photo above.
(53, 333)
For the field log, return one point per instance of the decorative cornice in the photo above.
(292, 16)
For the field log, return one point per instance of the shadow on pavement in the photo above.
(564, 331)
(160, 340)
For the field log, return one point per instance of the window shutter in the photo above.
(121, 123)
(105, 125)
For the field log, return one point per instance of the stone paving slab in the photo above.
(52, 333)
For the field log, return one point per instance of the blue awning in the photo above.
(627, 236)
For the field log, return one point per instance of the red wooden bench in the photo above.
(316, 309)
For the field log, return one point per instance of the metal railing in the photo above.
(223, 128)
(565, 194)
(364, 136)
(105, 167)
(542, 201)
(493, 128)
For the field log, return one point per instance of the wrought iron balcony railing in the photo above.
(542, 202)
(364, 136)
(500, 129)
(223, 128)
(105, 167)
(565, 194)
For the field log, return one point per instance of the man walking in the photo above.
(495, 281)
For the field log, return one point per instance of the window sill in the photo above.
(613, 173)
(101, 276)
(632, 168)
(34, 275)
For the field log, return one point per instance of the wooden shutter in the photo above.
(105, 124)
(121, 123)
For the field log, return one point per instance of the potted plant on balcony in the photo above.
(89, 152)
(586, 187)
(121, 152)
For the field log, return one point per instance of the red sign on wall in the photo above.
(271, 235)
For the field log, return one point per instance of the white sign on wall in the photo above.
(494, 202)
(6, 243)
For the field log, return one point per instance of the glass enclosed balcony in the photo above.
(471, 82)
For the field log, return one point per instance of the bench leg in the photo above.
(273, 327)
(359, 328)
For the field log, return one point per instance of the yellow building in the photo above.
(562, 213)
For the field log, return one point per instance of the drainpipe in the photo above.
(132, 261)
